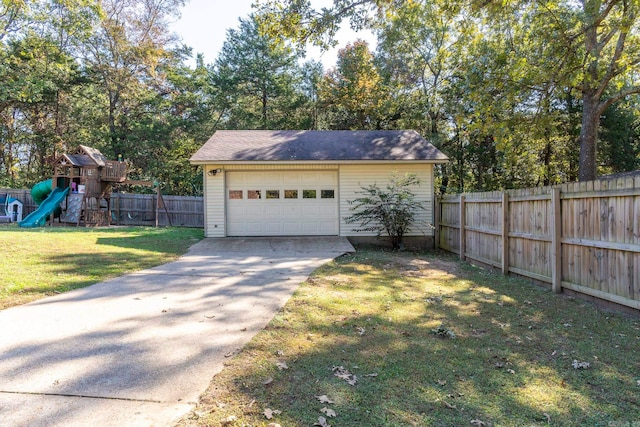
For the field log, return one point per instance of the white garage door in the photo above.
(287, 203)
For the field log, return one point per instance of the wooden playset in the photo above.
(90, 177)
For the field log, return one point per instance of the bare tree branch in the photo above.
(617, 97)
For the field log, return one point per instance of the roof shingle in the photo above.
(286, 145)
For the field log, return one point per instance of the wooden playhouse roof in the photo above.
(83, 156)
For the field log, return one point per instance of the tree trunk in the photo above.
(264, 109)
(588, 136)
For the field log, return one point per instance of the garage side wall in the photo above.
(214, 209)
(354, 177)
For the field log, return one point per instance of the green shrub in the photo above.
(391, 210)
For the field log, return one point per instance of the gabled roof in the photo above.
(81, 160)
(307, 145)
(93, 153)
(82, 157)
(78, 160)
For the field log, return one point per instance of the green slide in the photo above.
(48, 200)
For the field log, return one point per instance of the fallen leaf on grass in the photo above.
(282, 365)
(478, 423)
(342, 373)
(322, 422)
(273, 425)
(361, 330)
(269, 413)
(328, 412)
(375, 375)
(580, 365)
(324, 399)
(511, 371)
(196, 415)
(443, 332)
(449, 405)
(442, 383)
(230, 419)
(267, 381)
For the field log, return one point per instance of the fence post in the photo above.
(556, 243)
(463, 222)
(505, 233)
(117, 203)
(157, 204)
(436, 220)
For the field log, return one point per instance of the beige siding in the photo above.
(353, 177)
(310, 166)
(214, 211)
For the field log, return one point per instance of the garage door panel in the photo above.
(309, 212)
(325, 227)
(291, 228)
(252, 227)
(290, 212)
(286, 214)
(271, 228)
(273, 211)
(310, 178)
(328, 211)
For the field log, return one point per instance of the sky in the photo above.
(203, 26)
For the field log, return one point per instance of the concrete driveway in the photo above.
(138, 350)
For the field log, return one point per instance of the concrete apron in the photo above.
(138, 350)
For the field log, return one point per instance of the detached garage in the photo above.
(298, 183)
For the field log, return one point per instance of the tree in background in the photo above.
(127, 57)
(38, 72)
(549, 53)
(260, 79)
(352, 93)
(512, 91)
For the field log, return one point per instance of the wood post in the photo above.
(556, 241)
(117, 208)
(160, 203)
(157, 207)
(436, 219)
(462, 228)
(505, 233)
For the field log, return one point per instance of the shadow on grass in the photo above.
(168, 240)
(86, 256)
(510, 362)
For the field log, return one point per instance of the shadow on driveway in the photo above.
(139, 349)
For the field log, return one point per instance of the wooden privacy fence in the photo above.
(138, 209)
(580, 236)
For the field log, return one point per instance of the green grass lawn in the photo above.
(401, 339)
(45, 261)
